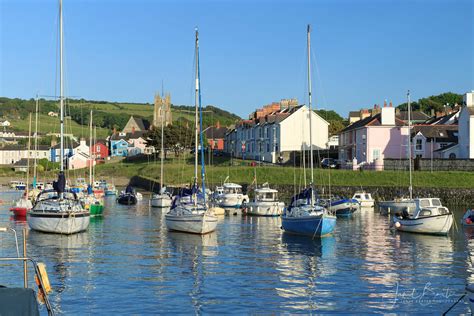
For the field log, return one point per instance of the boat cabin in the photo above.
(362, 196)
(232, 188)
(429, 207)
(266, 195)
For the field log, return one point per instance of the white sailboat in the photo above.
(429, 216)
(303, 216)
(189, 212)
(162, 199)
(59, 211)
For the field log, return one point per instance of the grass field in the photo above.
(180, 173)
(48, 124)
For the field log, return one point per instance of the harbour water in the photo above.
(128, 263)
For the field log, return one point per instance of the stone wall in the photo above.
(447, 196)
(428, 164)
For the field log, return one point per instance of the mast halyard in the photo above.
(410, 188)
(36, 142)
(162, 138)
(310, 111)
(90, 151)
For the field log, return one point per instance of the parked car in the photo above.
(331, 163)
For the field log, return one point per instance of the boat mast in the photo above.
(36, 141)
(162, 137)
(90, 150)
(201, 141)
(196, 126)
(310, 110)
(28, 161)
(410, 188)
(61, 85)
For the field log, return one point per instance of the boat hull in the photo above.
(127, 199)
(366, 203)
(265, 208)
(192, 223)
(432, 225)
(232, 201)
(315, 226)
(96, 209)
(160, 201)
(344, 208)
(58, 217)
(19, 211)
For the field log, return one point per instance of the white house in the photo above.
(273, 133)
(14, 153)
(466, 127)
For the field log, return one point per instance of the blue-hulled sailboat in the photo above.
(304, 216)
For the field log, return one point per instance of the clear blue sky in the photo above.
(252, 52)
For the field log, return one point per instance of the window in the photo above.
(452, 156)
(419, 144)
(375, 154)
(98, 149)
(268, 147)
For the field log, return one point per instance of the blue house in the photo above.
(118, 146)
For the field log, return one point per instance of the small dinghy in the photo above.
(468, 218)
(127, 199)
(430, 217)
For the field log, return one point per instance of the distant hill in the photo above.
(435, 102)
(107, 115)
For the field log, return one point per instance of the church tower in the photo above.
(162, 111)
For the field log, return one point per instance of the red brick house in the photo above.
(215, 136)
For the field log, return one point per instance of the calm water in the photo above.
(128, 263)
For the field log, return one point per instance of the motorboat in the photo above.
(17, 185)
(21, 207)
(110, 190)
(265, 203)
(341, 207)
(430, 217)
(22, 300)
(365, 199)
(305, 218)
(468, 218)
(94, 204)
(127, 198)
(232, 196)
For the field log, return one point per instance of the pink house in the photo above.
(380, 135)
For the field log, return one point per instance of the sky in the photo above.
(251, 52)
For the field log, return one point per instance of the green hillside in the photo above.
(107, 115)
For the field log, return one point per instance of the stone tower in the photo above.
(162, 110)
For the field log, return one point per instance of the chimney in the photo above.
(468, 99)
(385, 103)
(390, 105)
(388, 116)
(218, 124)
(133, 129)
(432, 112)
(82, 142)
(54, 142)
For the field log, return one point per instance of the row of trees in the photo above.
(434, 102)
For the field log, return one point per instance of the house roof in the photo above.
(375, 120)
(213, 132)
(143, 124)
(23, 162)
(67, 144)
(415, 116)
(446, 147)
(13, 147)
(128, 136)
(445, 133)
(442, 120)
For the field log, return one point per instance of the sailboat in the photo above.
(163, 199)
(59, 210)
(92, 201)
(23, 205)
(304, 216)
(429, 216)
(189, 212)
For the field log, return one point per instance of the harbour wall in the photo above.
(450, 196)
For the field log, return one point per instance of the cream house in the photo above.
(275, 132)
(466, 128)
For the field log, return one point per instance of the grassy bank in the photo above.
(179, 173)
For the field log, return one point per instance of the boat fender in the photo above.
(468, 221)
(398, 225)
